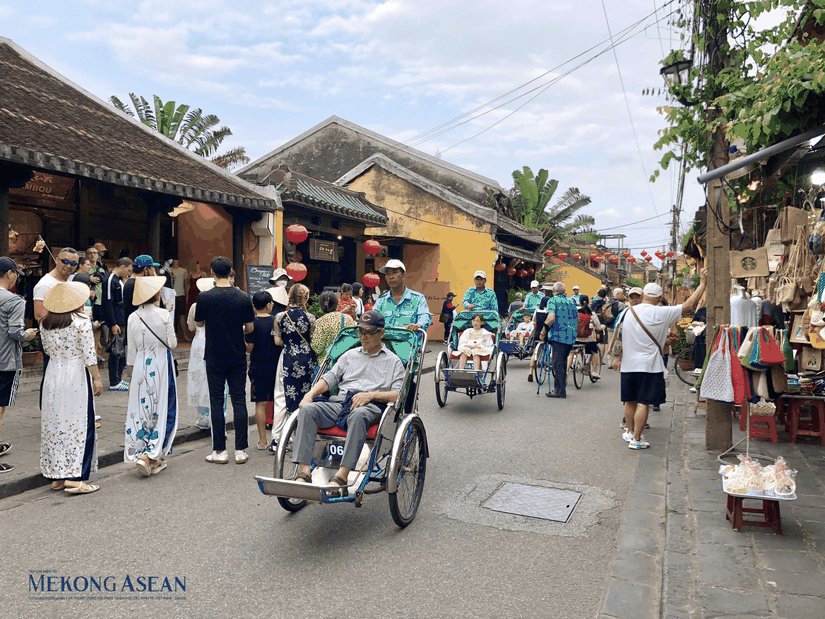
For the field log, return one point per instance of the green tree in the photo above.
(559, 223)
(186, 126)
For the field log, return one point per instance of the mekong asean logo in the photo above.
(49, 585)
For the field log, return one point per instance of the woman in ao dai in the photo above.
(152, 416)
(475, 342)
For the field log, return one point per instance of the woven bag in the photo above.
(763, 409)
(716, 381)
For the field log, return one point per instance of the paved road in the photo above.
(243, 556)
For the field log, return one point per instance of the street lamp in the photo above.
(677, 73)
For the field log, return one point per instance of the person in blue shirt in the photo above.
(562, 319)
(575, 297)
(479, 297)
(534, 297)
(402, 308)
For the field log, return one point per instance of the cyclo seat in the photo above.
(336, 431)
(454, 354)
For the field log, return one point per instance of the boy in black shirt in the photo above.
(261, 346)
(228, 315)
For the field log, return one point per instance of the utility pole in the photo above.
(718, 433)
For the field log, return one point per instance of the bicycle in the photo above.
(685, 369)
(581, 365)
(544, 360)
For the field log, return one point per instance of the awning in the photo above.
(511, 251)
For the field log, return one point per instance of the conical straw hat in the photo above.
(205, 283)
(146, 288)
(280, 295)
(66, 297)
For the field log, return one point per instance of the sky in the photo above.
(272, 70)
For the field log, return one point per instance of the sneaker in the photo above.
(657, 408)
(241, 457)
(692, 389)
(202, 423)
(121, 386)
(97, 417)
(641, 444)
(627, 436)
(273, 446)
(218, 457)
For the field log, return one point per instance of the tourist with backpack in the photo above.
(611, 309)
(596, 306)
(588, 331)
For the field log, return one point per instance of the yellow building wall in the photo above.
(571, 276)
(453, 245)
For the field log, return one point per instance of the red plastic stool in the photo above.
(770, 510)
(764, 426)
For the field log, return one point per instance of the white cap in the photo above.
(635, 290)
(534, 284)
(393, 264)
(480, 274)
(575, 287)
(616, 291)
(653, 290)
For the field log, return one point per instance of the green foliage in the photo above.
(188, 127)
(314, 306)
(682, 344)
(32, 345)
(634, 283)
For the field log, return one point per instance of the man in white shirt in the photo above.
(65, 265)
(644, 330)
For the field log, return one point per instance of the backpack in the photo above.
(583, 328)
(608, 313)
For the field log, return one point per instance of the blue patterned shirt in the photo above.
(485, 300)
(412, 310)
(563, 328)
(531, 301)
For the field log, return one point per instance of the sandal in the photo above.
(4, 448)
(342, 486)
(143, 467)
(59, 484)
(159, 466)
(83, 488)
(6, 468)
(306, 477)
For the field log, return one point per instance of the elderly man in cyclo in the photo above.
(368, 378)
(479, 298)
(402, 308)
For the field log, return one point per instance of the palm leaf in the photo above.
(232, 158)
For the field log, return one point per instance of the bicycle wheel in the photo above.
(578, 368)
(598, 354)
(540, 369)
(286, 469)
(685, 374)
(409, 469)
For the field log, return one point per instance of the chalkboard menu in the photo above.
(257, 277)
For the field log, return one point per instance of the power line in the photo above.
(633, 223)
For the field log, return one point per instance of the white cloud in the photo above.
(611, 212)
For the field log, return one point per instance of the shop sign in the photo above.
(46, 186)
(323, 250)
(258, 276)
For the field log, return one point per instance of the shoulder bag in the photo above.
(174, 361)
(644, 328)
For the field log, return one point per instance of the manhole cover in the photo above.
(533, 501)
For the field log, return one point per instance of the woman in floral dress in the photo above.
(152, 415)
(197, 388)
(293, 330)
(68, 443)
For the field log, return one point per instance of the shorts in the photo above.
(180, 305)
(97, 313)
(644, 388)
(8, 387)
(263, 384)
(591, 348)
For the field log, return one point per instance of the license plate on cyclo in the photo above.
(333, 454)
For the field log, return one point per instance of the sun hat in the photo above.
(277, 274)
(635, 290)
(534, 284)
(66, 297)
(146, 288)
(617, 291)
(653, 290)
(205, 283)
(393, 264)
(480, 274)
(280, 295)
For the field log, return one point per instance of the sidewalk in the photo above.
(21, 423)
(678, 556)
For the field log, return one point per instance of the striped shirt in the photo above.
(355, 370)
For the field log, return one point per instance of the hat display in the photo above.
(7, 264)
(371, 319)
(146, 288)
(279, 295)
(66, 297)
(480, 274)
(205, 283)
(534, 284)
(278, 273)
(393, 264)
(144, 260)
(635, 290)
(653, 290)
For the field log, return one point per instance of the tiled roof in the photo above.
(327, 197)
(49, 123)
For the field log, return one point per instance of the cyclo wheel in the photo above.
(540, 369)
(500, 387)
(285, 468)
(410, 469)
(685, 374)
(578, 368)
(440, 381)
(598, 354)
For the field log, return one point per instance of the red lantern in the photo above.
(372, 247)
(607, 255)
(371, 280)
(615, 260)
(626, 254)
(648, 258)
(500, 266)
(670, 254)
(563, 255)
(548, 253)
(593, 256)
(296, 271)
(632, 259)
(296, 233)
(576, 256)
(530, 271)
(511, 271)
(522, 273)
(598, 259)
(643, 252)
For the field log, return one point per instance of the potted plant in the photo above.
(31, 351)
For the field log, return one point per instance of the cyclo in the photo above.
(393, 459)
(490, 378)
(514, 349)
